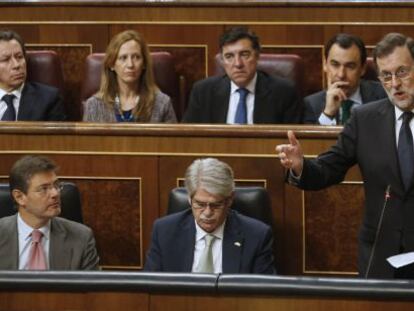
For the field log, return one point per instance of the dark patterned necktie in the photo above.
(406, 150)
(10, 113)
(241, 112)
(346, 110)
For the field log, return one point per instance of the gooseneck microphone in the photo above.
(371, 256)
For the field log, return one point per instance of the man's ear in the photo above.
(230, 199)
(19, 197)
(364, 69)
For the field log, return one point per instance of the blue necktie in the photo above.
(10, 113)
(241, 112)
(406, 150)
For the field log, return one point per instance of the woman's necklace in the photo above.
(125, 115)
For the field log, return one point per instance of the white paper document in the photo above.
(401, 260)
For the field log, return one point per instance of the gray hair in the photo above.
(391, 41)
(211, 175)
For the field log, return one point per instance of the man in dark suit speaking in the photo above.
(344, 64)
(35, 238)
(21, 100)
(378, 137)
(243, 95)
(210, 237)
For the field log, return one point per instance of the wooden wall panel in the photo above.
(331, 224)
(112, 208)
(111, 162)
(194, 45)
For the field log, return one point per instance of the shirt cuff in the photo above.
(325, 120)
(293, 179)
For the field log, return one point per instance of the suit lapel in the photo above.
(366, 92)
(262, 91)
(221, 98)
(232, 245)
(59, 255)
(386, 129)
(9, 244)
(185, 244)
(27, 102)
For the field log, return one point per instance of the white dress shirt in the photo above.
(25, 240)
(234, 101)
(398, 123)
(16, 101)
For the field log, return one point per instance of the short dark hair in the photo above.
(345, 41)
(237, 33)
(8, 35)
(25, 168)
(389, 42)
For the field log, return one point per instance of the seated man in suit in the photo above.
(243, 94)
(210, 237)
(35, 238)
(344, 64)
(19, 99)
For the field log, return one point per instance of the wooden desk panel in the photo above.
(125, 173)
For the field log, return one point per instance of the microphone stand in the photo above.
(387, 197)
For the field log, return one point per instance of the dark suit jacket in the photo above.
(276, 101)
(72, 246)
(173, 241)
(368, 139)
(40, 102)
(315, 104)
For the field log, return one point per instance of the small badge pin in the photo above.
(238, 244)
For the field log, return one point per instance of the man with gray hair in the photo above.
(378, 137)
(210, 237)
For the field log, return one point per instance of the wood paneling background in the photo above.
(190, 30)
(126, 171)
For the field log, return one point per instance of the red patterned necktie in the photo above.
(37, 260)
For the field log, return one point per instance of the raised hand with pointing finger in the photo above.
(291, 155)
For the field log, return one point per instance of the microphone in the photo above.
(371, 256)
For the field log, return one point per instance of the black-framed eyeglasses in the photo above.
(47, 188)
(402, 73)
(198, 205)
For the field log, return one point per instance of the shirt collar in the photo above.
(399, 112)
(218, 233)
(25, 230)
(17, 92)
(356, 96)
(251, 86)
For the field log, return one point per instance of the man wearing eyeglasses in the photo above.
(378, 137)
(244, 95)
(35, 238)
(210, 237)
(344, 65)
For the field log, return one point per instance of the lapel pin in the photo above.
(238, 244)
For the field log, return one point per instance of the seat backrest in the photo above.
(70, 202)
(45, 67)
(165, 77)
(250, 201)
(288, 66)
(371, 70)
